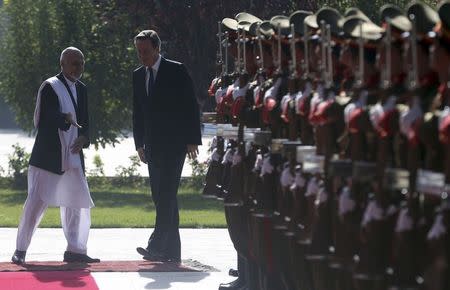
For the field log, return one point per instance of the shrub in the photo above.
(18, 166)
(198, 173)
(129, 175)
(96, 176)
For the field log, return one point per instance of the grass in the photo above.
(121, 207)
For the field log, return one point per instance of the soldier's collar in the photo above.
(373, 81)
(367, 44)
(426, 39)
(398, 78)
(429, 79)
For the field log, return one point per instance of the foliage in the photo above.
(33, 33)
(18, 166)
(96, 176)
(129, 175)
(98, 166)
(197, 178)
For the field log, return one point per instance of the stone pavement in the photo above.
(208, 246)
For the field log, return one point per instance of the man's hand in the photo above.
(141, 154)
(71, 120)
(78, 144)
(192, 151)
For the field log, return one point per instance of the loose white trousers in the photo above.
(75, 222)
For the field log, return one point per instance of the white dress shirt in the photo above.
(73, 89)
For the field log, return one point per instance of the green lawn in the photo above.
(122, 207)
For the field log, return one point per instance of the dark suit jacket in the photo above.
(46, 152)
(169, 118)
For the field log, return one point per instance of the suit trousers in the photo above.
(165, 168)
(75, 222)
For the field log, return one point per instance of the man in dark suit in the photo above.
(56, 170)
(166, 127)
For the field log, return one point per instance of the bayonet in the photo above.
(279, 47)
(305, 46)
(413, 41)
(361, 55)
(261, 58)
(293, 55)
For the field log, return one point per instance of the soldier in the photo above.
(441, 64)
(309, 218)
(224, 94)
(422, 82)
(303, 103)
(437, 271)
(358, 55)
(265, 71)
(379, 216)
(236, 204)
(275, 87)
(326, 118)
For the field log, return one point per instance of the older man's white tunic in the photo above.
(69, 189)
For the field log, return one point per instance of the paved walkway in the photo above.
(208, 246)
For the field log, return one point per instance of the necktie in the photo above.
(150, 81)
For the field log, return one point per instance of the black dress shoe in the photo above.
(151, 255)
(71, 257)
(234, 285)
(19, 257)
(142, 251)
(156, 256)
(233, 273)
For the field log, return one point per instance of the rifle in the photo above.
(438, 252)
(304, 215)
(289, 113)
(285, 235)
(378, 228)
(303, 104)
(214, 168)
(261, 216)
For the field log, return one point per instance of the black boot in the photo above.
(241, 282)
(237, 284)
(19, 257)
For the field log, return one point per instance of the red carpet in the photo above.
(48, 280)
(108, 266)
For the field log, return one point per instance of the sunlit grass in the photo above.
(122, 207)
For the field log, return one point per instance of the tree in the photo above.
(35, 32)
(34, 36)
